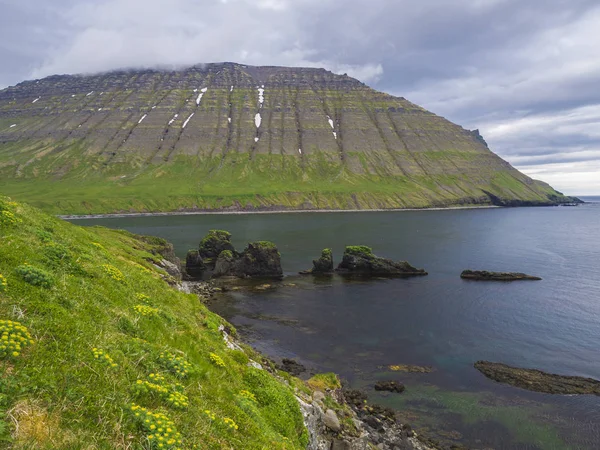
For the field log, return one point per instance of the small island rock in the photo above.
(259, 260)
(484, 275)
(323, 265)
(538, 381)
(360, 260)
(389, 386)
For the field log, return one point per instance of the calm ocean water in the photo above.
(358, 328)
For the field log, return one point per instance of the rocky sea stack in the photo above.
(216, 255)
(360, 260)
(323, 265)
(538, 381)
(484, 275)
(213, 244)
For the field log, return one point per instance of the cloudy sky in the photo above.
(526, 73)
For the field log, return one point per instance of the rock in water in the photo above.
(410, 368)
(389, 386)
(259, 260)
(194, 265)
(538, 381)
(291, 366)
(360, 260)
(225, 264)
(323, 265)
(484, 275)
(215, 242)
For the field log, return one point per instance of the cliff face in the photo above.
(232, 136)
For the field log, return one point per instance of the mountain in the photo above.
(230, 136)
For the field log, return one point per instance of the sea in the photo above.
(359, 328)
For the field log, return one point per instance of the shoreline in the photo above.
(242, 212)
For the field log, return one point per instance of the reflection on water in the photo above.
(358, 328)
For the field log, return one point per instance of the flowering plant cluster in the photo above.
(178, 400)
(160, 430)
(3, 283)
(35, 276)
(143, 298)
(248, 395)
(103, 357)
(226, 421)
(177, 365)
(113, 272)
(216, 360)
(211, 415)
(157, 385)
(7, 218)
(145, 310)
(229, 423)
(13, 337)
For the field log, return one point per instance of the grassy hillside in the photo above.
(232, 136)
(97, 351)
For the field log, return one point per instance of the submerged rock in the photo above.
(291, 366)
(538, 381)
(484, 275)
(410, 368)
(390, 386)
(323, 265)
(360, 260)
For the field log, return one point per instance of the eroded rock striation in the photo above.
(538, 381)
(360, 260)
(484, 275)
(228, 136)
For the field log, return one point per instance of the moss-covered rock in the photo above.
(224, 264)
(260, 259)
(322, 265)
(325, 263)
(213, 244)
(360, 260)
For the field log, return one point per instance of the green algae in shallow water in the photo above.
(482, 408)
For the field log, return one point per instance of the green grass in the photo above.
(359, 250)
(236, 180)
(103, 321)
(324, 381)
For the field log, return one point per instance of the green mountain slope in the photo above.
(232, 136)
(97, 351)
